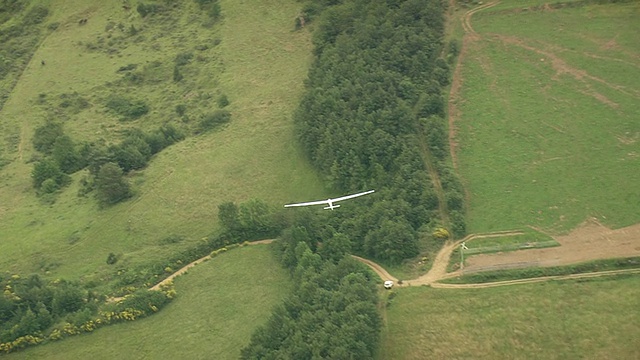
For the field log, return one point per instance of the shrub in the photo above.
(79, 317)
(128, 109)
(212, 8)
(67, 298)
(171, 239)
(110, 184)
(127, 67)
(223, 101)
(48, 169)
(144, 301)
(454, 50)
(112, 259)
(215, 11)
(441, 234)
(133, 153)
(183, 58)
(73, 102)
(45, 136)
(213, 120)
(146, 9)
(455, 200)
(177, 76)
(49, 186)
(36, 15)
(66, 155)
(458, 226)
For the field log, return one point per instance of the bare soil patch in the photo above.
(590, 241)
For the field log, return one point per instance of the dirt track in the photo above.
(456, 82)
(581, 236)
(186, 268)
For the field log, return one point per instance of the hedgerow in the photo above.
(135, 306)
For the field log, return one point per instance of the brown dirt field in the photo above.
(590, 241)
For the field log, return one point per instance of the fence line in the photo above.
(511, 247)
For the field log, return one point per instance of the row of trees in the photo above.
(373, 100)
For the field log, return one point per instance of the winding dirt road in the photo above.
(439, 269)
(456, 82)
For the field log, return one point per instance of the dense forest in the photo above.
(374, 117)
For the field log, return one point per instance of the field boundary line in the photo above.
(453, 112)
(186, 268)
(536, 279)
(512, 247)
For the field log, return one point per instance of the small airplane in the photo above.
(330, 201)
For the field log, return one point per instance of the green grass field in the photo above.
(595, 319)
(254, 156)
(219, 304)
(548, 134)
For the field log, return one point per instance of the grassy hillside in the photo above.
(556, 320)
(548, 134)
(177, 195)
(219, 304)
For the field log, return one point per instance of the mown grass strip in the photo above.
(515, 274)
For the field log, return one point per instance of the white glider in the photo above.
(330, 201)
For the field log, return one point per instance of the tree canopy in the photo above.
(373, 106)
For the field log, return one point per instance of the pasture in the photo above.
(548, 133)
(595, 319)
(219, 304)
(177, 194)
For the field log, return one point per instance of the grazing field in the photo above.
(219, 304)
(177, 194)
(595, 319)
(548, 133)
